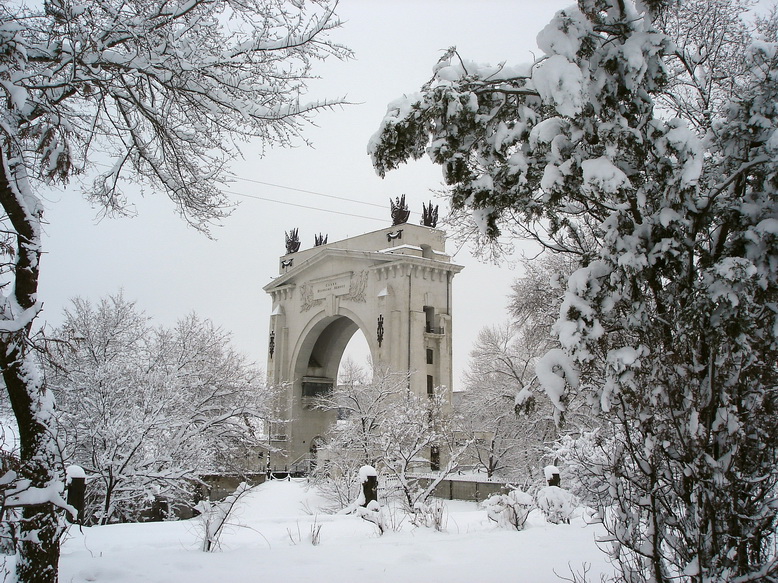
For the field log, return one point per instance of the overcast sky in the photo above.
(171, 270)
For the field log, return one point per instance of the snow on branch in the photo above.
(21, 320)
(555, 371)
(169, 90)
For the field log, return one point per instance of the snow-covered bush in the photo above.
(556, 504)
(509, 510)
(431, 513)
(585, 459)
(336, 473)
(370, 510)
(374, 513)
(214, 516)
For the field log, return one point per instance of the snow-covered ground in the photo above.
(270, 540)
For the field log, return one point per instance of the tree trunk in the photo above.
(40, 528)
(38, 550)
(107, 511)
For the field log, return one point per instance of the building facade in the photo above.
(394, 285)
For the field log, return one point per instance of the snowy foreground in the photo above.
(271, 540)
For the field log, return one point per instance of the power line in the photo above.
(321, 210)
(381, 206)
(312, 192)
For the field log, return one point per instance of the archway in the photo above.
(391, 285)
(322, 348)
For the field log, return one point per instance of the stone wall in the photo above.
(469, 490)
(219, 486)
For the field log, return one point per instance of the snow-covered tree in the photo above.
(164, 91)
(508, 441)
(226, 401)
(535, 297)
(669, 325)
(384, 425)
(144, 410)
(419, 435)
(706, 68)
(361, 405)
(513, 424)
(362, 401)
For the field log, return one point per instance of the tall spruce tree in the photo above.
(669, 325)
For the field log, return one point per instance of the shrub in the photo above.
(556, 504)
(509, 510)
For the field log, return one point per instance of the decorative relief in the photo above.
(306, 298)
(336, 286)
(292, 241)
(356, 290)
(400, 210)
(398, 234)
(429, 215)
(347, 287)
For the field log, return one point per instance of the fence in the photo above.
(451, 488)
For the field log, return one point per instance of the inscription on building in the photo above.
(335, 287)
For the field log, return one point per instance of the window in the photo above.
(277, 432)
(429, 317)
(430, 356)
(435, 458)
(316, 388)
(430, 386)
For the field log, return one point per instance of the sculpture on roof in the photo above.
(400, 211)
(429, 215)
(292, 241)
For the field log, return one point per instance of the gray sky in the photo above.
(171, 270)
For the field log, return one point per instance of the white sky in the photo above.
(171, 270)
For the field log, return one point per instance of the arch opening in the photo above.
(330, 343)
(316, 372)
(356, 360)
